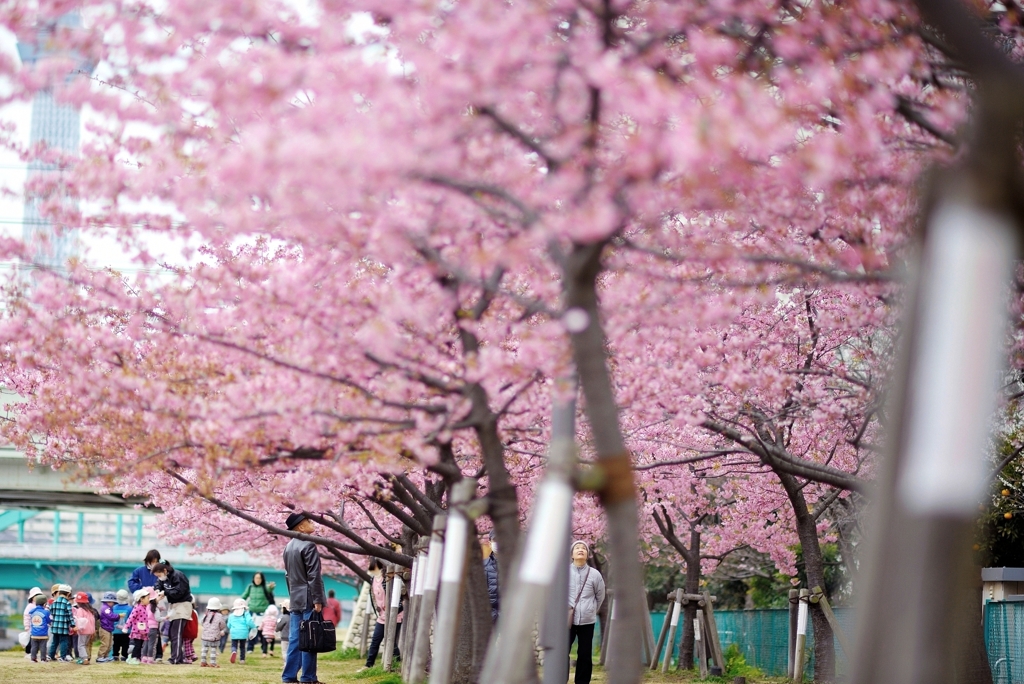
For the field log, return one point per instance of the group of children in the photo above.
(66, 628)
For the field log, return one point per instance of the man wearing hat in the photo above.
(305, 595)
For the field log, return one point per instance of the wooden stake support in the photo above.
(655, 659)
(801, 637)
(699, 644)
(675, 608)
(818, 596)
(714, 644)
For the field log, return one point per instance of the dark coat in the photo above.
(175, 587)
(141, 577)
(302, 570)
(491, 571)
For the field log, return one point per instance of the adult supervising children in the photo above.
(258, 595)
(175, 587)
(586, 594)
(306, 595)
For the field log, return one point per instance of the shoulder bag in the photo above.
(316, 635)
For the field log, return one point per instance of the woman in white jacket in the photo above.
(586, 594)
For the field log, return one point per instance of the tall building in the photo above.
(57, 126)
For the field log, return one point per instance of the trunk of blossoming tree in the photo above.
(691, 586)
(503, 504)
(691, 557)
(618, 494)
(475, 626)
(814, 567)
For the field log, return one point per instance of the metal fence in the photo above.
(762, 637)
(1004, 640)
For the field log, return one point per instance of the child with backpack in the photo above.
(240, 623)
(121, 610)
(268, 628)
(39, 629)
(213, 627)
(85, 626)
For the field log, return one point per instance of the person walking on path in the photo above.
(213, 627)
(122, 640)
(39, 628)
(61, 622)
(258, 595)
(306, 595)
(143, 576)
(240, 623)
(489, 548)
(380, 604)
(105, 628)
(332, 609)
(85, 626)
(586, 594)
(174, 585)
(268, 628)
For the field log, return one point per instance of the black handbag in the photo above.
(317, 635)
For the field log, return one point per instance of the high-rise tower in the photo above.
(57, 126)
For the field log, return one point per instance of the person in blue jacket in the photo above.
(488, 550)
(143, 576)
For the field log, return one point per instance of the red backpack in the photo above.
(191, 630)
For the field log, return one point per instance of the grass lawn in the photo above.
(331, 668)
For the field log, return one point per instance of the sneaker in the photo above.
(203, 664)
(133, 661)
(67, 659)
(215, 665)
(103, 660)
(234, 656)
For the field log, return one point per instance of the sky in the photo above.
(101, 252)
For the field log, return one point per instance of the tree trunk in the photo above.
(692, 586)
(814, 567)
(503, 502)
(618, 495)
(475, 626)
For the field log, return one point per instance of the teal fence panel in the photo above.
(1004, 632)
(763, 636)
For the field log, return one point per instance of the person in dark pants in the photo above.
(488, 549)
(175, 587)
(586, 594)
(306, 595)
(380, 605)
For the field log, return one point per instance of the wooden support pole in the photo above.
(393, 605)
(408, 619)
(453, 580)
(655, 659)
(415, 601)
(714, 645)
(818, 596)
(421, 647)
(801, 637)
(606, 629)
(699, 598)
(790, 654)
(649, 656)
(367, 613)
(677, 608)
(700, 643)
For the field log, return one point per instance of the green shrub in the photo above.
(736, 663)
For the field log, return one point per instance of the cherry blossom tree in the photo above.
(414, 213)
